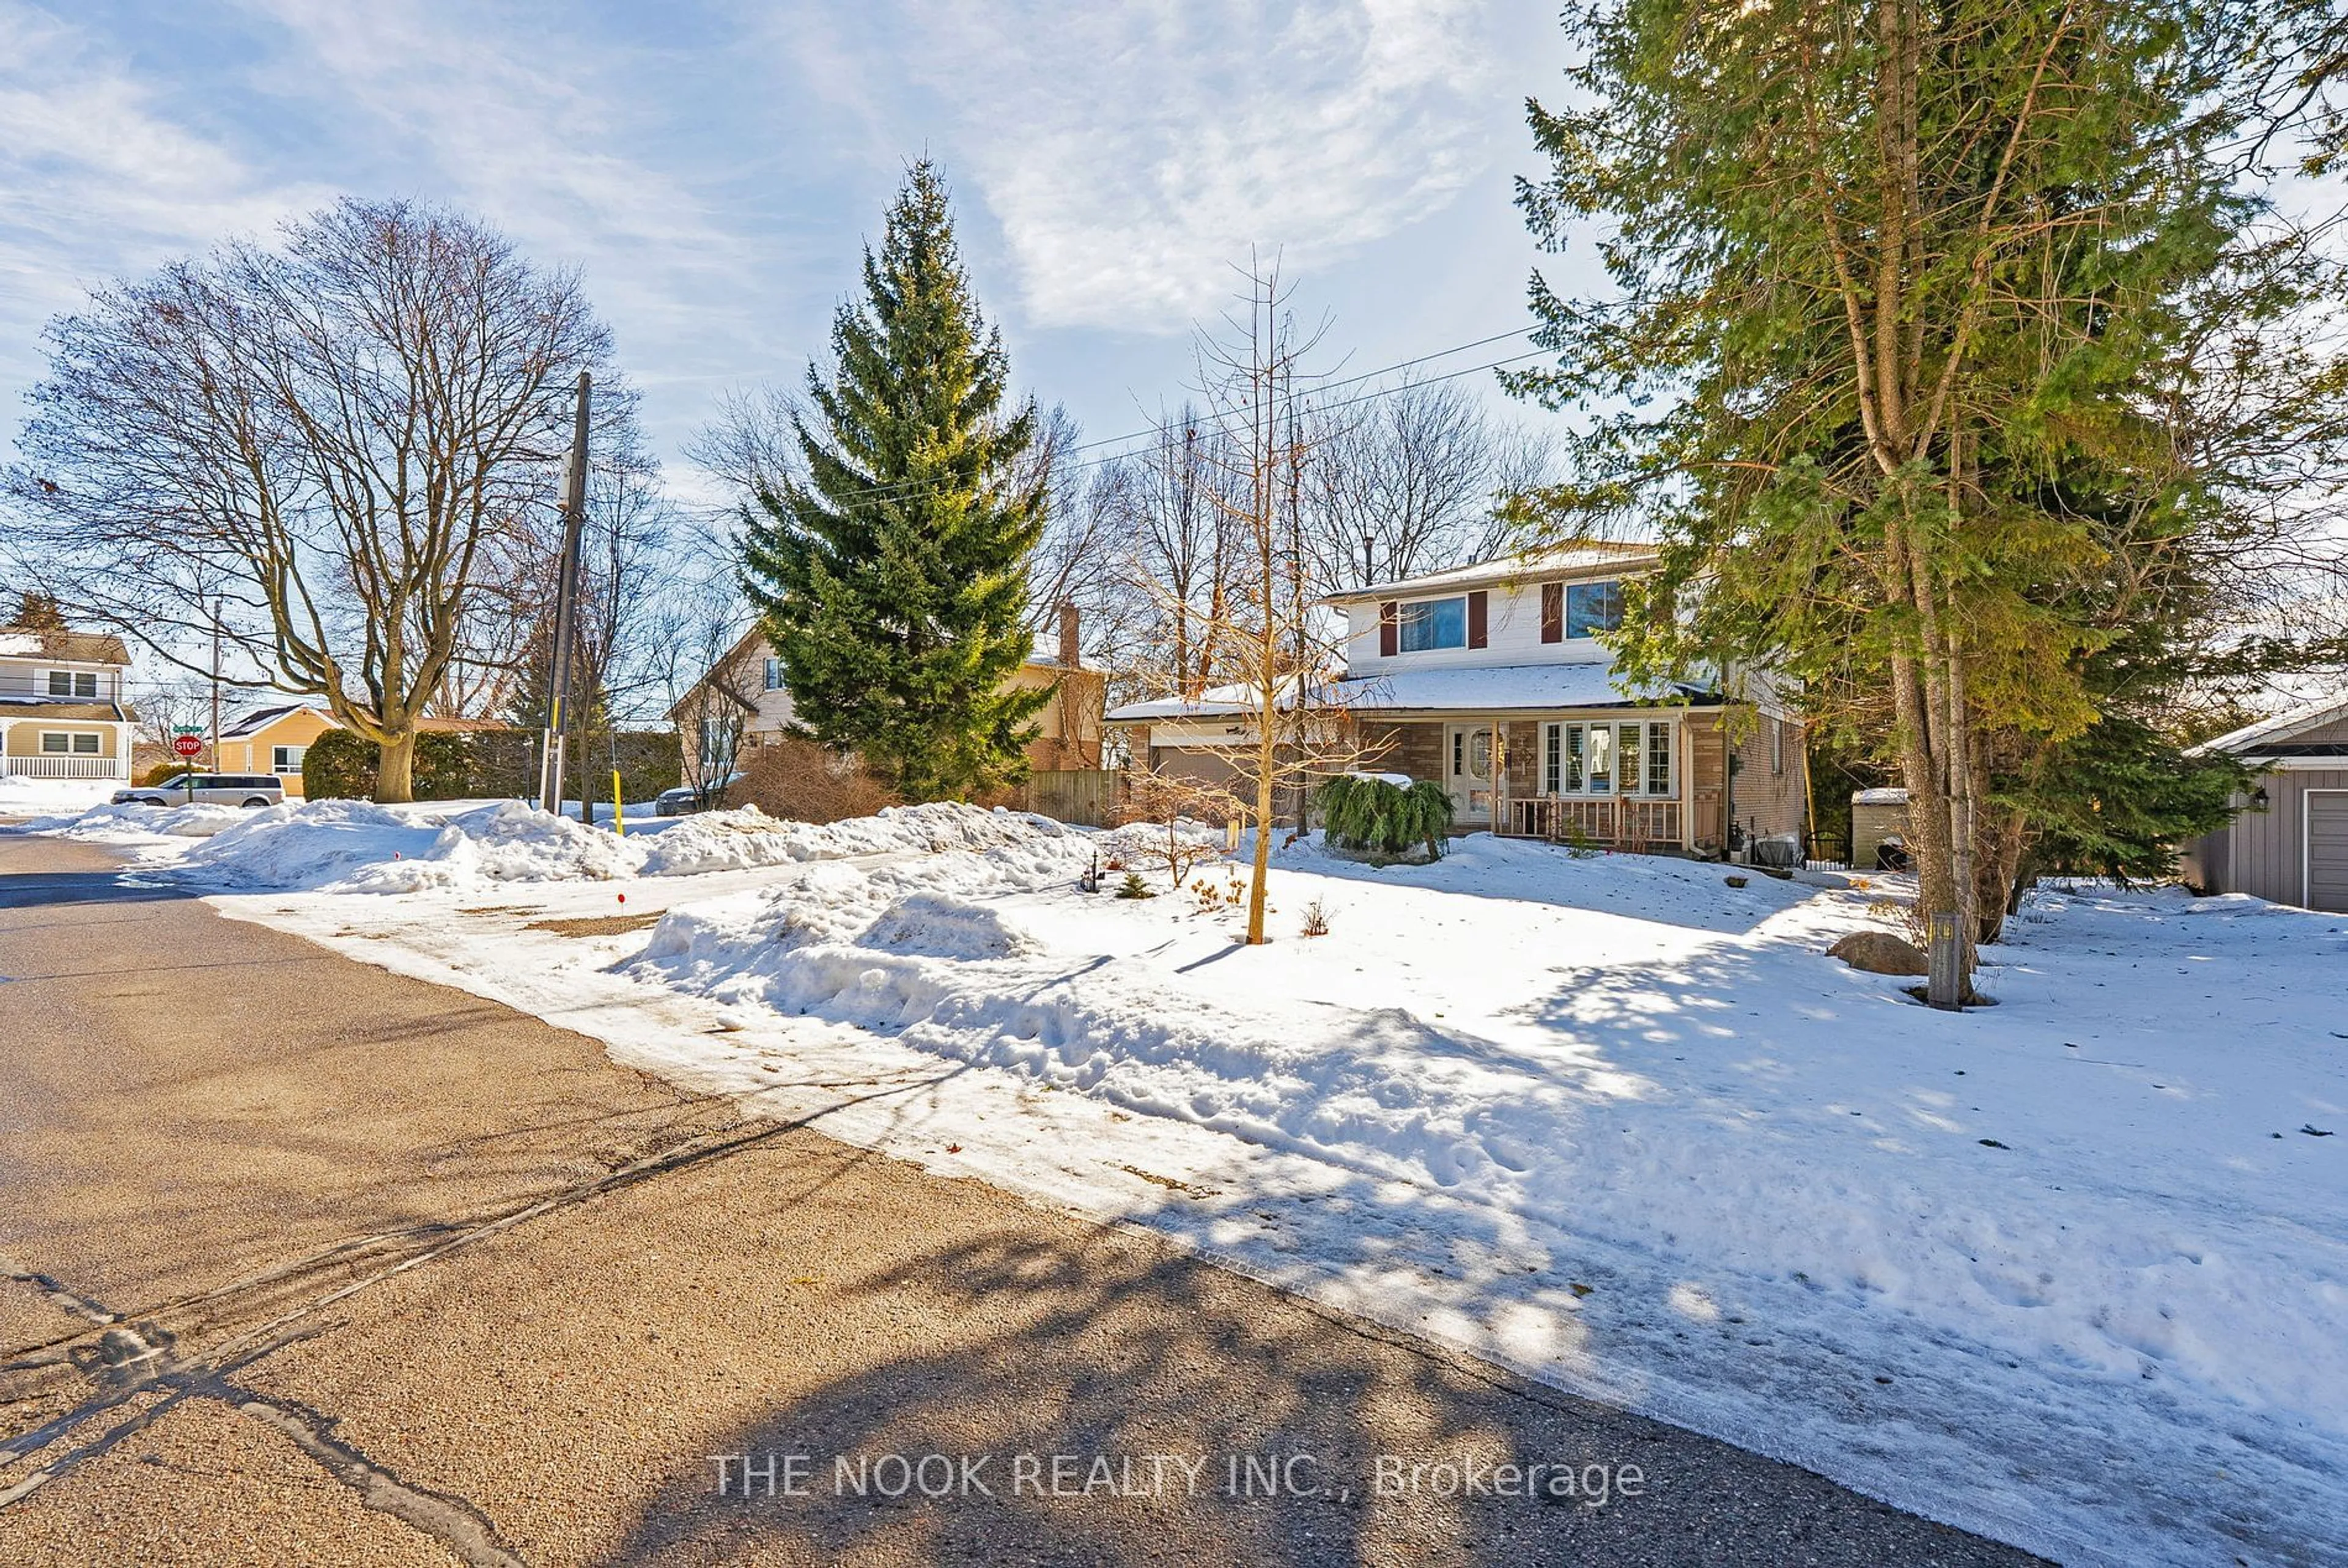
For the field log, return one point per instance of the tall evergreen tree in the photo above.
(888, 573)
(1909, 317)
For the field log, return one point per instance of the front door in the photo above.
(1468, 771)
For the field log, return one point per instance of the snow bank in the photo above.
(140, 824)
(305, 845)
(748, 839)
(351, 847)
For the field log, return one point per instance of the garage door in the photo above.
(2327, 850)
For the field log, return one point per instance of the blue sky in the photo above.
(714, 166)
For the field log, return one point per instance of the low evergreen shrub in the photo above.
(1370, 815)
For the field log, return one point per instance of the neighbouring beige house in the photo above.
(62, 712)
(2288, 841)
(273, 739)
(1491, 679)
(748, 680)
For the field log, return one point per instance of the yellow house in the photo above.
(273, 740)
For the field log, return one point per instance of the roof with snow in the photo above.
(66, 647)
(259, 719)
(1514, 688)
(2252, 739)
(1893, 796)
(1570, 559)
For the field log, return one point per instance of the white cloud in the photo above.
(96, 178)
(1132, 151)
(523, 128)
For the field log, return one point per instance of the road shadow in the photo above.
(38, 889)
(1198, 1418)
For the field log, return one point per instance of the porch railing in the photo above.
(66, 767)
(1597, 819)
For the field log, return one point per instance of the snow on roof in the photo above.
(1894, 797)
(2281, 727)
(1581, 556)
(66, 647)
(1511, 688)
(1505, 687)
(259, 719)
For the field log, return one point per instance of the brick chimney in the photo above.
(1071, 656)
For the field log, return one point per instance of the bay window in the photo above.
(1630, 757)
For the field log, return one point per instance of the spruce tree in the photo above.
(890, 573)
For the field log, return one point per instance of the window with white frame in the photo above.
(774, 675)
(1776, 745)
(286, 759)
(1609, 757)
(1430, 623)
(71, 743)
(73, 682)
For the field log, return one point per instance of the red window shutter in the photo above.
(1475, 603)
(1552, 612)
(1389, 639)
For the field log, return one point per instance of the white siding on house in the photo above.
(1513, 628)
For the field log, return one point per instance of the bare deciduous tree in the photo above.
(1262, 626)
(333, 437)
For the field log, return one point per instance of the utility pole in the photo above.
(216, 659)
(566, 595)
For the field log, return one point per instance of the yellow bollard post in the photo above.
(619, 811)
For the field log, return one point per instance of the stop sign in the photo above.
(187, 745)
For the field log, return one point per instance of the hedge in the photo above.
(489, 765)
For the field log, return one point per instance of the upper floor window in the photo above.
(73, 682)
(1431, 624)
(774, 675)
(1591, 608)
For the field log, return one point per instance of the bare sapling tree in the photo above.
(1265, 630)
(336, 438)
(1175, 810)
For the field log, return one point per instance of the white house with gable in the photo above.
(1492, 678)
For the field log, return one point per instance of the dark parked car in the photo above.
(209, 789)
(685, 799)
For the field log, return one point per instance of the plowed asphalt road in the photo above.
(303, 1263)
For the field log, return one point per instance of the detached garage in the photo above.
(2289, 842)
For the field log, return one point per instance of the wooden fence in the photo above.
(1085, 797)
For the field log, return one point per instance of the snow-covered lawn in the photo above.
(2071, 1271)
(21, 797)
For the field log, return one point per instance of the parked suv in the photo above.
(211, 789)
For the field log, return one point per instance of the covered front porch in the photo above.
(1645, 780)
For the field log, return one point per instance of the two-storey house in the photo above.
(62, 710)
(1492, 678)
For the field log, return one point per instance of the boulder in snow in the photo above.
(1880, 953)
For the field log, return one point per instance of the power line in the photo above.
(908, 489)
